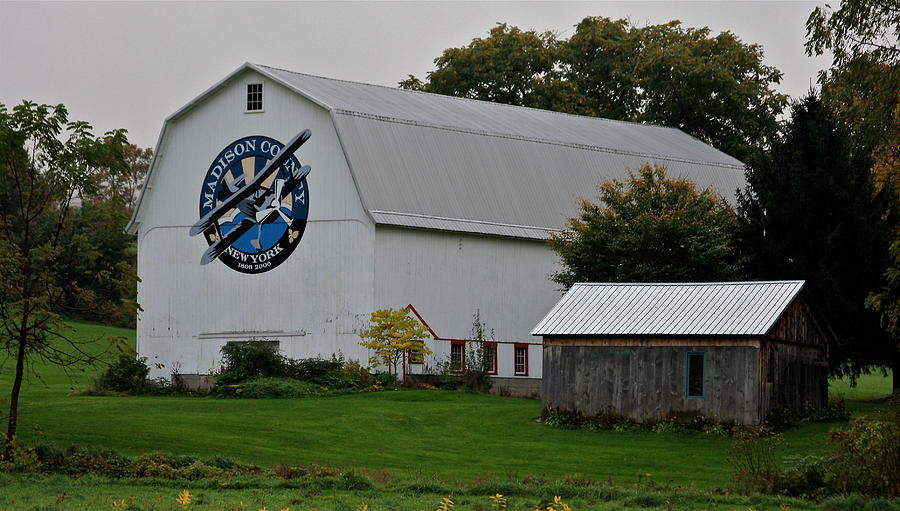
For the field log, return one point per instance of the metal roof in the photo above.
(440, 162)
(714, 308)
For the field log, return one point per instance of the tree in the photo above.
(715, 88)
(509, 66)
(101, 262)
(648, 229)
(858, 27)
(392, 333)
(46, 163)
(810, 213)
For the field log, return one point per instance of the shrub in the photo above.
(388, 380)
(264, 388)
(755, 464)
(126, 374)
(248, 359)
(322, 371)
(867, 457)
(356, 372)
(353, 481)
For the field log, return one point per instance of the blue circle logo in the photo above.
(255, 214)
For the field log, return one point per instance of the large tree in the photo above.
(714, 87)
(649, 228)
(46, 165)
(810, 213)
(100, 265)
(863, 88)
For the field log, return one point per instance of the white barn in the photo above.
(412, 198)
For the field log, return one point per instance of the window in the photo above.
(695, 374)
(457, 356)
(416, 356)
(254, 97)
(521, 360)
(489, 357)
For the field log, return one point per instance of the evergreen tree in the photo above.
(811, 214)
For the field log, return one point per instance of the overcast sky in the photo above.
(130, 65)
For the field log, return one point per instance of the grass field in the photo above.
(456, 436)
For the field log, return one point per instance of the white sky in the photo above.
(130, 65)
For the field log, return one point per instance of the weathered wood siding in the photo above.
(648, 382)
(794, 365)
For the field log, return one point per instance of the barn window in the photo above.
(457, 356)
(489, 357)
(695, 374)
(416, 356)
(521, 360)
(254, 97)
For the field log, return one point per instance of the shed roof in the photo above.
(440, 162)
(670, 309)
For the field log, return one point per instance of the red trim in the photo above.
(492, 345)
(437, 337)
(462, 362)
(515, 349)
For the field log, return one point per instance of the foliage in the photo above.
(329, 373)
(886, 301)
(243, 360)
(392, 333)
(387, 380)
(755, 464)
(127, 374)
(858, 27)
(811, 214)
(867, 457)
(648, 229)
(267, 388)
(509, 66)
(476, 376)
(354, 371)
(715, 88)
(263, 372)
(46, 164)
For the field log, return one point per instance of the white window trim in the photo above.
(262, 98)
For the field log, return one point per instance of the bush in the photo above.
(755, 464)
(126, 374)
(867, 457)
(322, 371)
(265, 388)
(388, 380)
(359, 374)
(248, 359)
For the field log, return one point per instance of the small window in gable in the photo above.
(254, 97)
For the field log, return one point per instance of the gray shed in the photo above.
(728, 351)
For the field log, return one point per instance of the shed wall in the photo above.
(647, 383)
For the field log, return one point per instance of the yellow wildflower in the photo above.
(184, 498)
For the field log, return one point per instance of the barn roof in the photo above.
(441, 162)
(702, 309)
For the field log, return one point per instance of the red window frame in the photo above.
(492, 346)
(421, 359)
(462, 361)
(516, 348)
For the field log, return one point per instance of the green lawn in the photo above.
(456, 435)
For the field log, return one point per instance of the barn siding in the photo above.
(647, 383)
(794, 360)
